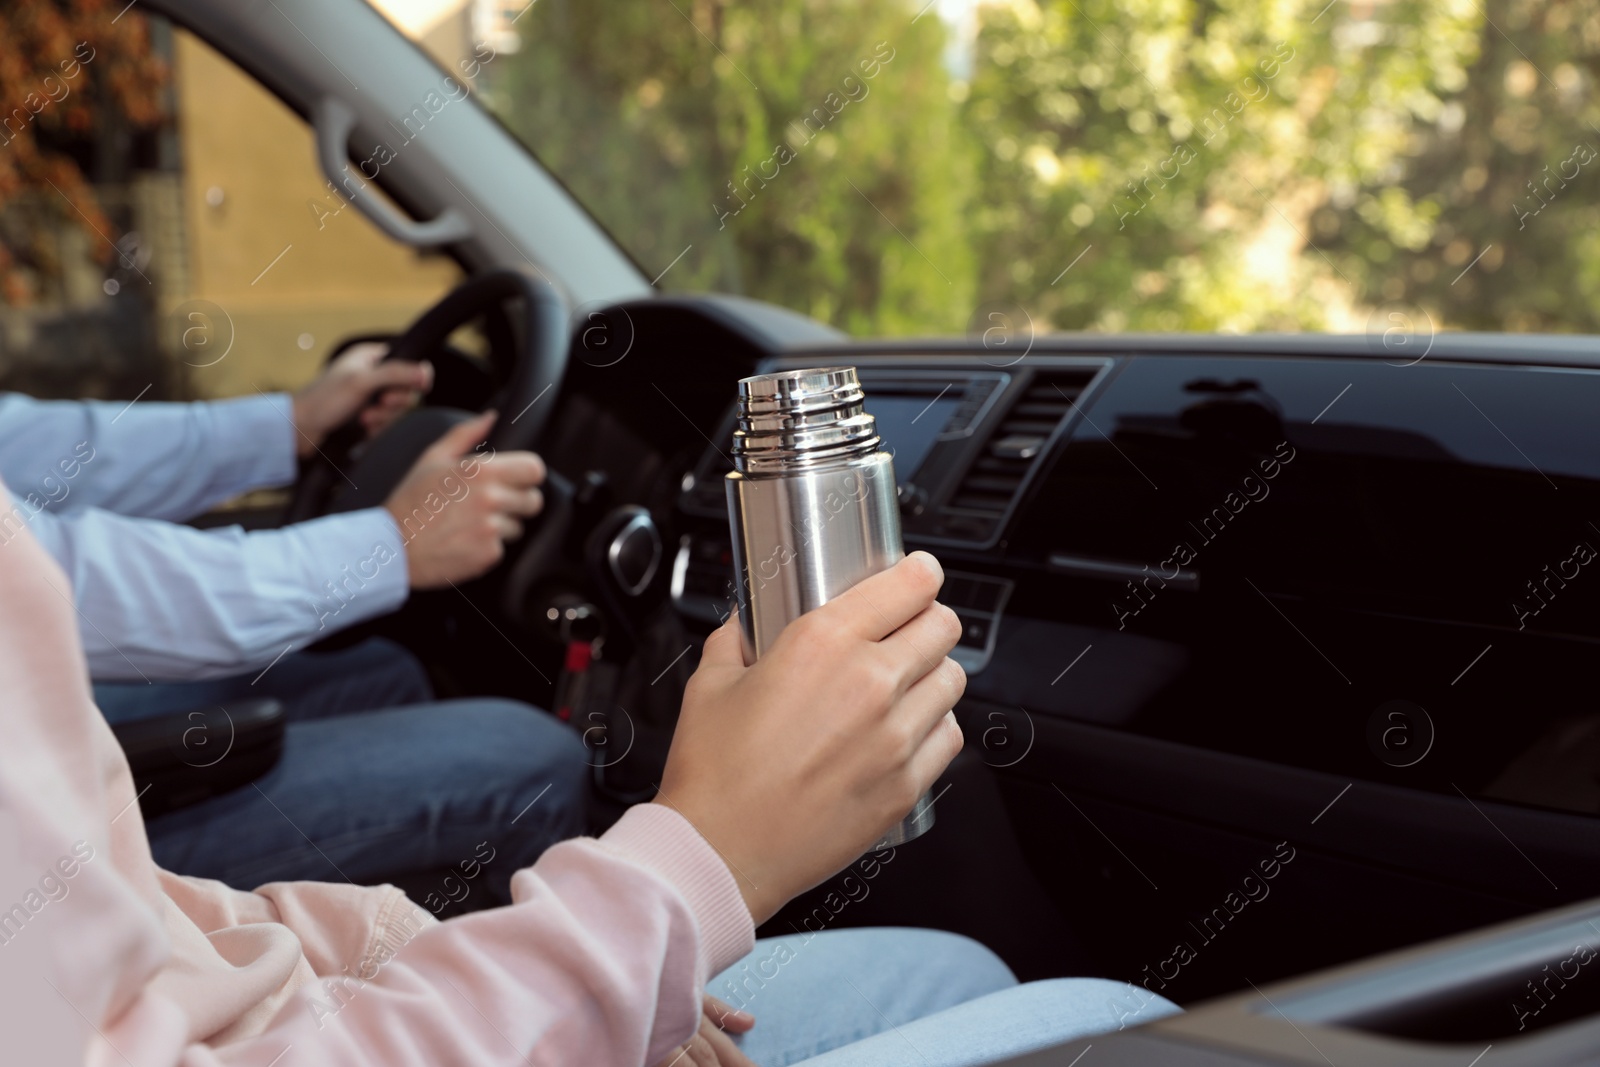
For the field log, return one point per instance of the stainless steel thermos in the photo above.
(812, 506)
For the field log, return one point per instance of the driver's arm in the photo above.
(160, 601)
(175, 461)
(167, 461)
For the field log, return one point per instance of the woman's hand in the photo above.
(710, 1046)
(794, 766)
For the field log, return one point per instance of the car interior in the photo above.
(1279, 645)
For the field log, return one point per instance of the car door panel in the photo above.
(1375, 585)
(1141, 838)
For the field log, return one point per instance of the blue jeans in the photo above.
(894, 997)
(375, 783)
(368, 676)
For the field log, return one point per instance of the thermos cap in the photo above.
(801, 419)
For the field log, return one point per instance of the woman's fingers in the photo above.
(694, 1053)
(796, 764)
(727, 1017)
(920, 645)
(928, 701)
(709, 1047)
(726, 1052)
(941, 746)
(876, 607)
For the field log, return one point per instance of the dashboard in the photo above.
(1148, 497)
(1220, 595)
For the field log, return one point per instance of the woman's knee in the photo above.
(959, 967)
(1097, 1003)
(971, 964)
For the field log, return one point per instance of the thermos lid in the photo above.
(801, 419)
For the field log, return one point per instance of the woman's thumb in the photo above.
(725, 646)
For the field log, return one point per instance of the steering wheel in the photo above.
(342, 478)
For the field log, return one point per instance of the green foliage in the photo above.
(1218, 164)
(1498, 169)
(1196, 147)
(755, 135)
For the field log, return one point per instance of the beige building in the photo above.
(268, 244)
(256, 268)
(266, 240)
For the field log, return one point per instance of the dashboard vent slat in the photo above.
(1039, 426)
(993, 481)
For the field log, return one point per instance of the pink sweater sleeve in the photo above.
(106, 959)
(600, 961)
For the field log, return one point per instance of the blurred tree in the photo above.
(1216, 164)
(70, 71)
(1190, 145)
(1506, 166)
(807, 150)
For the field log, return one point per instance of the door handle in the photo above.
(1113, 570)
(334, 121)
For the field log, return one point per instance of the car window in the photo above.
(190, 246)
(897, 167)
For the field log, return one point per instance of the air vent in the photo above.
(993, 481)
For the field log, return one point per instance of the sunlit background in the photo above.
(1163, 165)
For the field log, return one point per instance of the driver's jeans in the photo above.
(378, 782)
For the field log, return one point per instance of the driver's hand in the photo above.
(456, 508)
(344, 387)
(710, 1046)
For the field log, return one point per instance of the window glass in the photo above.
(899, 166)
(189, 246)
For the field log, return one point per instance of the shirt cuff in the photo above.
(253, 440)
(657, 837)
(374, 579)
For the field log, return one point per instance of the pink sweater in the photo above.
(107, 959)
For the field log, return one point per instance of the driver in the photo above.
(376, 781)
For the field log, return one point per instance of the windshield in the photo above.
(1242, 165)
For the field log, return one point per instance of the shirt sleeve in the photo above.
(163, 602)
(156, 460)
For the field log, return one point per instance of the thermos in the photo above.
(812, 506)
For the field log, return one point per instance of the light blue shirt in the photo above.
(103, 486)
